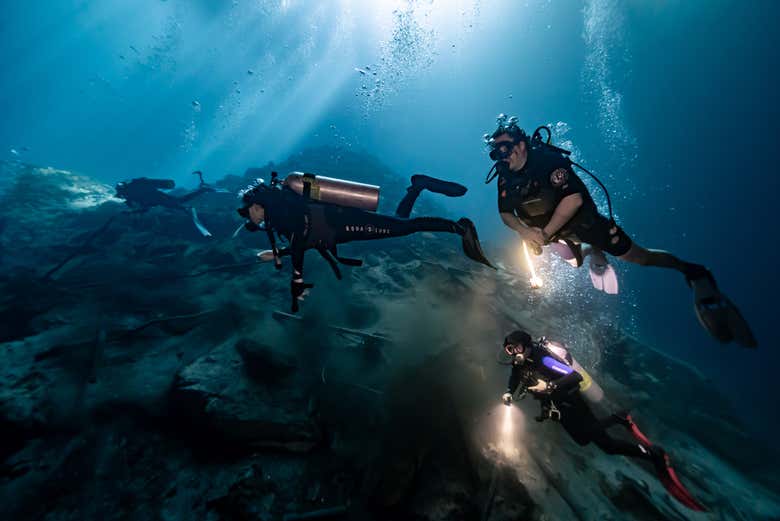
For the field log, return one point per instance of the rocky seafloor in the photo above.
(151, 373)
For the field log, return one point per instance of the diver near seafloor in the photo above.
(143, 193)
(564, 389)
(546, 203)
(314, 212)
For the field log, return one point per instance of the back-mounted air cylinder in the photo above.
(334, 191)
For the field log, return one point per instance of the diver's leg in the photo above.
(614, 446)
(352, 224)
(366, 226)
(422, 182)
(597, 255)
(606, 236)
(659, 258)
(405, 206)
(195, 193)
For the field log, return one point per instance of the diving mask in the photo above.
(501, 150)
(249, 225)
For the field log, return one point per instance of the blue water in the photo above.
(674, 104)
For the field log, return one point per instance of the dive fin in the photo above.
(604, 277)
(471, 246)
(717, 314)
(235, 233)
(663, 467)
(671, 482)
(568, 251)
(202, 229)
(439, 186)
(265, 255)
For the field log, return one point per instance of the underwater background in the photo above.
(672, 104)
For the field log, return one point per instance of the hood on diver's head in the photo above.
(517, 338)
(506, 125)
(256, 193)
(499, 152)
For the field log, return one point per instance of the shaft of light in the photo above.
(506, 427)
(535, 280)
(507, 438)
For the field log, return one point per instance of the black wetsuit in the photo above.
(564, 402)
(309, 224)
(534, 192)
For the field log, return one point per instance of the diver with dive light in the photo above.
(565, 391)
(546, 203)
(315, 212)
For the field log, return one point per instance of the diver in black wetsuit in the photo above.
(310, 224)
(545, 202)
(551, 375)
(142, 193)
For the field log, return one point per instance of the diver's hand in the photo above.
(540, 387)
(507, 398)
(277, 262)
(298, 288)
(535, 239)
(298, 291)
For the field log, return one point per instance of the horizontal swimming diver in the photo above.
(307, 220)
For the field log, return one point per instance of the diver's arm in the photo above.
(297, 286)
(565, 210)
(514, 379)
(560, 386)
(297, 252)
(274, 249)
(513, 222)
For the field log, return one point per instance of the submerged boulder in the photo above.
(230, 393)
(264, 364)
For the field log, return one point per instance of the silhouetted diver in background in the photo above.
(143, 193)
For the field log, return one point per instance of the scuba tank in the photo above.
(334, 191)
(589, 389)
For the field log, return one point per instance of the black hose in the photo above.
(606, 193)
(488, 177)
(537, 136)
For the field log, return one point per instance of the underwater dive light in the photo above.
(535, 280)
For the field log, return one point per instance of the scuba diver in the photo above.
(546, 203)
(563, 388)
(315, 212)
(142, 193)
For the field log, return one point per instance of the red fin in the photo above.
(672, 484)
(637, 433)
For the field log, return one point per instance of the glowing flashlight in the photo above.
(535, 280)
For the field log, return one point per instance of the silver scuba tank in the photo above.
(334, 191)
(589, 389)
